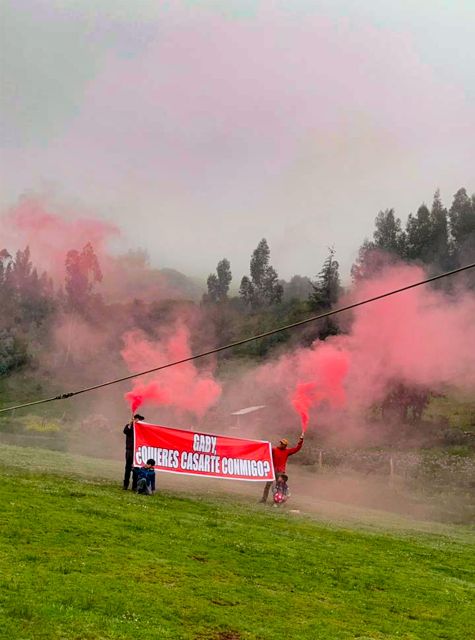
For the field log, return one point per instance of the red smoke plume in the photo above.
(422, 337)
(51, 231)
(50, 235)
(143, 392)
(183, 387)
(303, 398)
(309, 377)
(325, 369)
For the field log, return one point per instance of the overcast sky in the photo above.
(202, 126)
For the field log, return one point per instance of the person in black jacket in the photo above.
(129, 452)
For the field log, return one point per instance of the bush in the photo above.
(13, 352)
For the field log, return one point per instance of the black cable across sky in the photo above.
(64, 396)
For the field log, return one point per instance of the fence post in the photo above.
(320, 459)
(391, 470)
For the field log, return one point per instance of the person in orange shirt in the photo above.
(279, 458)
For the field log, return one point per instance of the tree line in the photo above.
(437, 237)
(434, 236)
(29, 301)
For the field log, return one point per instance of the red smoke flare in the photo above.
(422, 338)
(327, 367)
(302, 399)
(151, 392)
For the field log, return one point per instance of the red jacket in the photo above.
(279, 456)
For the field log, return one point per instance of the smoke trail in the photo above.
(185, 387)
(423, 337)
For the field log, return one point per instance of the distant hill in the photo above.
(186, 286)
(130, 276)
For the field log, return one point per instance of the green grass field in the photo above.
(82, 559)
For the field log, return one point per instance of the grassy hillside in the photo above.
(82, 559)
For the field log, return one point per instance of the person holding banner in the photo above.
(279, 458)
(129, 452)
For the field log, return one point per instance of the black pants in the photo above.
(129, 463)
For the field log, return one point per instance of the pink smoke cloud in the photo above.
(51, 230)
(423, 337)
(183, 387)
(208, 114)
(51, 234)
(215, 92)
(322, 373)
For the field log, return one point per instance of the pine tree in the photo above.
(327, 288)
(5, 268)
(246, 291)
(462, 225)
(259, 264)
(389, 243)
(218, 283)
(82, 273)
(34, 295)
(7, 291)
(263, 288)
(272, 289)
(440, 244)
(326, 291)
(419, 235)
(388, 234)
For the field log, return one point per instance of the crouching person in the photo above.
(280, 490)
(146, 478)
